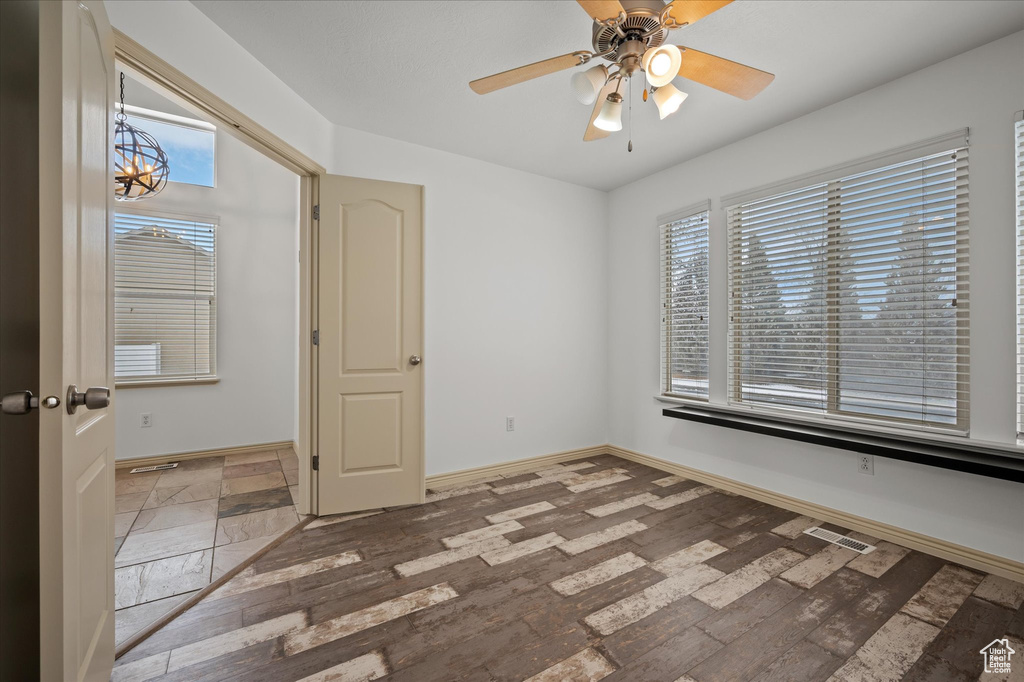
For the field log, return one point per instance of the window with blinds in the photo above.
(848, 296)
(1019, 134)
(165, 300)
(684, 317)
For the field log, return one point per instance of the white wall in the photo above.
(514, 277)
(187, 39)
(981, 89)
(256, 205)
(518, 269)
(515, 303)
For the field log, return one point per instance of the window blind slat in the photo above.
(850, 296)
(165, 301)
(684, 273)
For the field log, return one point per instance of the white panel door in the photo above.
(370, 417)
(76, 341)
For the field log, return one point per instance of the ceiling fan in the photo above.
(631, 34)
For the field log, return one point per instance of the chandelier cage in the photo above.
(140, 165)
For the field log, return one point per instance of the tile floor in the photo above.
(590, 570)
(180, 529)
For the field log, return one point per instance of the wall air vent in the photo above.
(158, 467)
(841, 540)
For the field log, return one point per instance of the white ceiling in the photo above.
(401, 69)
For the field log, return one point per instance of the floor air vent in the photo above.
(161, 467)
(841, 540)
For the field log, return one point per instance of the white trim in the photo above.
(990, 563)
(974, 558)
(168, 215)
(170, 119)
(688, 212)
(517, 465)
(151, 460)
(941, 143)
(681, 400)
(155, 382)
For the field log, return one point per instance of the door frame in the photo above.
(141, 62)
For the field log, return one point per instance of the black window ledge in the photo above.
(969, 458)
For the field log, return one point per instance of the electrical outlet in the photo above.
(510, 423)
(145, 420)
(867, 465)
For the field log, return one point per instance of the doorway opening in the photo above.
(379, 417)
(206, 359)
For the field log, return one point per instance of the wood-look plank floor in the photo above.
(596, 569)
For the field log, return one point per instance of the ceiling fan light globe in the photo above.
(668, 98)
(587, 84)
(610, 118)
(661, 64)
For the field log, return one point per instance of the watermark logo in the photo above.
(997, 656)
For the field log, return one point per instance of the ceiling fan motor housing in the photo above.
(641, 16)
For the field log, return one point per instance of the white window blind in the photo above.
(684, 318)
(1019, 134)
(165, 303)
(848, 296)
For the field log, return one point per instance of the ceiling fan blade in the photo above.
(593, 132)
(722, 74)
(689, 11)
(482, 86)
(602, 10)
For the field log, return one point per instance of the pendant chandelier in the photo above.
(140, 165)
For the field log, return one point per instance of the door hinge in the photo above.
(316, 212)
(316, 337)
(316, 462)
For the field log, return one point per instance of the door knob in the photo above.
(95, 398)
(23, 402)
(415, 360)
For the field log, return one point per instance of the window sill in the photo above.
(995, 461)
(154, 383)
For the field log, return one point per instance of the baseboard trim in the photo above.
(198, 454)
(973, 558)
(469, 475)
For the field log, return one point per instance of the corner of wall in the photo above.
(606, 230)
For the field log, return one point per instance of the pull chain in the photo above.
(630, 147)
(122, 116)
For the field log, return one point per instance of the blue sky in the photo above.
(190, 152)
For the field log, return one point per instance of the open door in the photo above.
(76, 437)
(370, 407)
